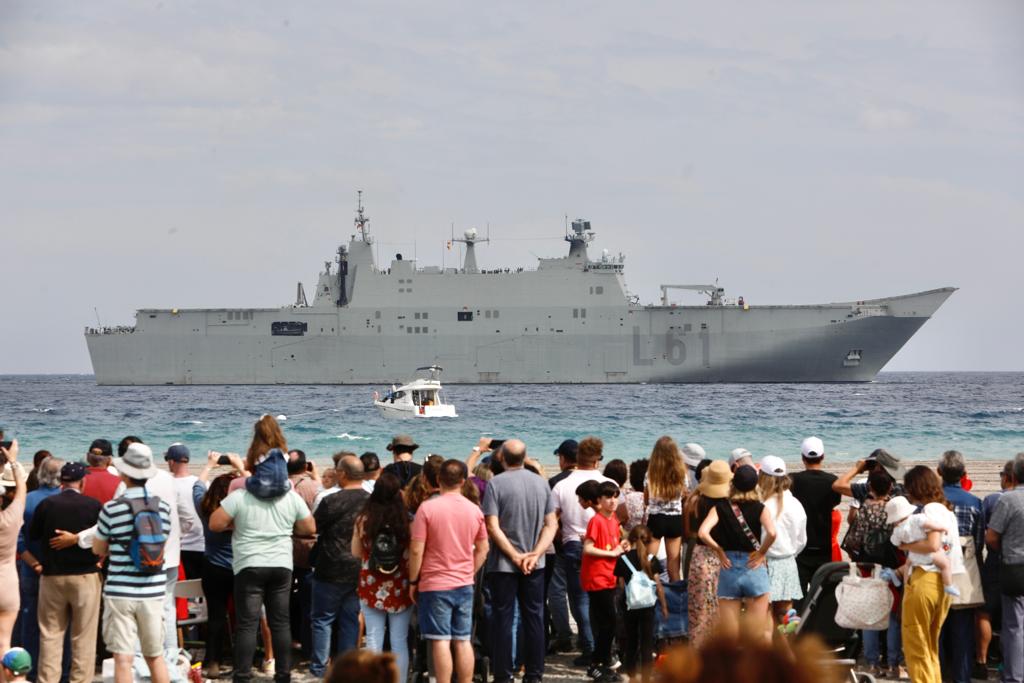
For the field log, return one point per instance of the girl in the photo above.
(639, 623)
(734, 530)
(384, 597)
(791, 529)
(663, 494)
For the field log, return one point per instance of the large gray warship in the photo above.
(571, 320)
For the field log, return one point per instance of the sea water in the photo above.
(913, 415)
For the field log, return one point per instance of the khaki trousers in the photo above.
(925, 605)
(64, 599)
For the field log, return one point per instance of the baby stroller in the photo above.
(819, 618)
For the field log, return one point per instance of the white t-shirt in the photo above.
(323, 494)
(790, 526)
(191, 526)
(572, 515)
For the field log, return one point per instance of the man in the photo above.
(16, 662)
(521, 523)
(813, 488)
(693, 454)
(371, 470)
(99, 482)
(738, 458)
(879, 459)
(336, 575)
(30, 553)
(70, 581)
(449, 545)
(1006, 533)
(574, 518)
(555, 566)
(133, 601)
(990, 615)
(305, 480)
(402, 447)
(956, 640)
(193, 544)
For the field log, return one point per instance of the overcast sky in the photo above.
(208, 154)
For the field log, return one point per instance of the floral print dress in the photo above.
(384, 592)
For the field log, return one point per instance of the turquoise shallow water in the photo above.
(915, 415)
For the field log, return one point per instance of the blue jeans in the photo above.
(579, 601)
(509, 590)
(956, 645)
(893, 642)
(332, 603)
(377, 622)
(557, 606)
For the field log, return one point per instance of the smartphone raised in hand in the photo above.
(223, 460)
(496, 444)
(6, 445)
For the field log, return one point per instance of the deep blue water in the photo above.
(915, 415)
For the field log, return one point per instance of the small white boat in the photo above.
(421, 397)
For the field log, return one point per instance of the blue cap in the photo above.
(177, 452)
(17, 660)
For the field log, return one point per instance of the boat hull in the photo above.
(845, 342)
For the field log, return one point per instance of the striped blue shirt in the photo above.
(115, 525)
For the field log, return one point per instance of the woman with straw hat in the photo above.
(704, 566)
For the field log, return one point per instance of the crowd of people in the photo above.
(442, 562)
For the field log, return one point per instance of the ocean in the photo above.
(916, 415)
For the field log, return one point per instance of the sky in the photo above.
(195, 154)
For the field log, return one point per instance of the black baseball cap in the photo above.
(567, 449)
(73, 471)
(744, 478)
(103, 446)
(177, 452)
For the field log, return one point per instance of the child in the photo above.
(602, 545)
(16, 665)
(639, 626)
(911, 527)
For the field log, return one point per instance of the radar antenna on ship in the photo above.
(362, 220)
(470, 238)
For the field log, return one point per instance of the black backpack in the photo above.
(386, 552)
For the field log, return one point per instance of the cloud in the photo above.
(885, 118)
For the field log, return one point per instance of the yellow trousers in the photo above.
(925, 605)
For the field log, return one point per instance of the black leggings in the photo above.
(256, 587)
(602, 623)
(218, 585)
(639, 642)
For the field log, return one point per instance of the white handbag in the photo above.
(864, 603)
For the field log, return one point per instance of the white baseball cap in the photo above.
(693, 453)
(812, 448)
(739, 454)
(773, 466)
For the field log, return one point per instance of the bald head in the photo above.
(350, 471)
(513, 453)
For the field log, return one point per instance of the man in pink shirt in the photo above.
(449, 545)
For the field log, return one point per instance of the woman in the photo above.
(663, 495)
(704, 566)
(424, 485)
(631, 510)
(791, 528)
(384, 596)
(33, 476)
(925, 603)
(11, 519)
(741, 532)
(217, 576)
(263, 515)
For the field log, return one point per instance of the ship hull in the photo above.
(845, 342)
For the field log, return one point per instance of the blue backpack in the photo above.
(146, 547)
(641, 590)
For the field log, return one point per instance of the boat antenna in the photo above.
(97, 312)
(361, 218)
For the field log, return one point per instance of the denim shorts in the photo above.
(740, 581)
(446, 615)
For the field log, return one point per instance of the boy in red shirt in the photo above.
(602, 545)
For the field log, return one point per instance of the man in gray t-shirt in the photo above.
(521, 522)
(1006, 532)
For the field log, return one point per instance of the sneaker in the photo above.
(979, 672)
(610, 676)
(268, 667)
(901, 673)
(594, 672)
(615, 663)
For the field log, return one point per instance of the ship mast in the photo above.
(470, 239)
(362, 220)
